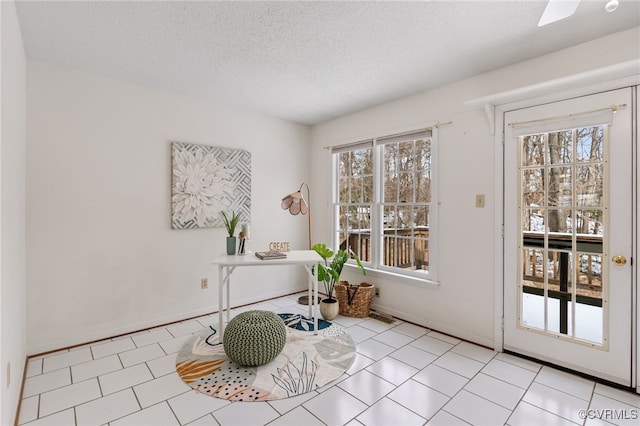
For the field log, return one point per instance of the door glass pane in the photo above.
(590, 222)
(559, 267)
(589, 325)
(589, 314)
(562, 228)
(533, 300)
(560, 147)
(560, 290)
(589, 275)
(533, 310)
(533, 221)
(533, 187)
(555, 315)
(560, 186)
(533, 268)
(589, 180)
(533, 151)
(559, 222)
(590, 144)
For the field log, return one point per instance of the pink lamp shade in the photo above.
(295, 203)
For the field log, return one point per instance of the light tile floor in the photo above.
(403, 375)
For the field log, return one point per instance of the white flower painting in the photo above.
(207, 180)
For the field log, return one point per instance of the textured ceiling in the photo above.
(303, 61)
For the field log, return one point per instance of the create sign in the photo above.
(279, 246)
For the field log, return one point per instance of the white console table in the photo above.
(228, 263)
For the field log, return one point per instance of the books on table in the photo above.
(271, 254)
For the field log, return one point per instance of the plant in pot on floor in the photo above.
(230, 223)
(329, 273)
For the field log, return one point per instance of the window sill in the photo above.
(404, 279)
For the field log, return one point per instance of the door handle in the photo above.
(619, 260)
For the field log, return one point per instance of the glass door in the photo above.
(568, 223)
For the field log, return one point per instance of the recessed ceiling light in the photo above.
(611, 6)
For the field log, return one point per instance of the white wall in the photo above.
(463, 304)
(101, 255)
(12, 213)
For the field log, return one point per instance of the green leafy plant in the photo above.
(230, 222)
(329, 272)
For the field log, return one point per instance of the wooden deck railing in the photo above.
(586, 278)
(398, 249)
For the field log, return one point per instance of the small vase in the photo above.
(231, 245)
(329, 309)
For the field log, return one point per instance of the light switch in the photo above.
(480, 200)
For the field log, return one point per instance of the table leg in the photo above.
(315, 301)
(224, 278)
(310, 296)
(220, 304)
(312, 292)
(229, 271)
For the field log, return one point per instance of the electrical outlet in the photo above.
(8, 375)
(204, 283)
(480, 200)
(377, 293)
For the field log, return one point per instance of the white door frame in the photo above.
(495, 108)
(635, 272)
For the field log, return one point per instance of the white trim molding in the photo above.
(611, 77)
(606, 78)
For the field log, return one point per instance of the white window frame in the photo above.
(376, 265)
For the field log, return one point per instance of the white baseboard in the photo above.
(435, 326)
(108, 334)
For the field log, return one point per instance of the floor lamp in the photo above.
(296, 204)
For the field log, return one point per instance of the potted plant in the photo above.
(329, 273)
(230, 223)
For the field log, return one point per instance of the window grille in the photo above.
(384, 202)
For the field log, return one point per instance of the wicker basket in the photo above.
(354, 300)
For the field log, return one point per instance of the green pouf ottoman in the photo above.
(254, 338)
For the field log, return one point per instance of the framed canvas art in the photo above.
(207, 180)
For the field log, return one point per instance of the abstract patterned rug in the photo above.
(307, 362)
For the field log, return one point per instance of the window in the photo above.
(383, 203)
